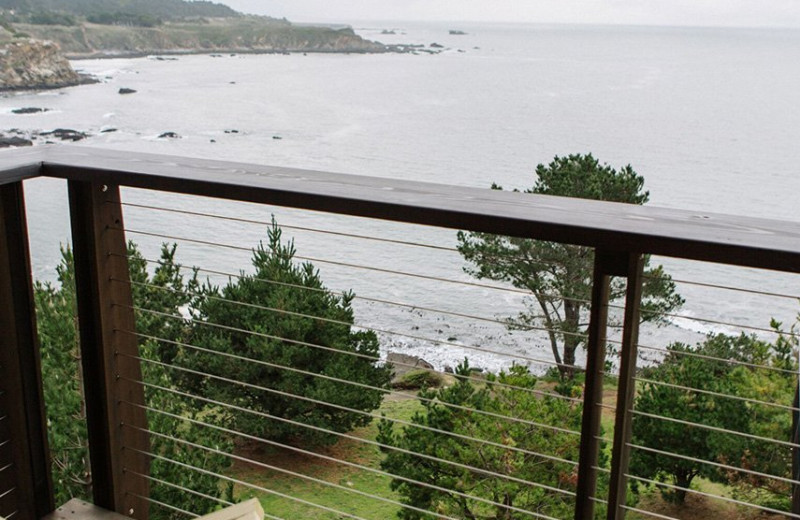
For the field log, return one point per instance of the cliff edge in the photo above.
(34, 64)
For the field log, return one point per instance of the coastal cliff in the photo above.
(240, 34)
(34, 64)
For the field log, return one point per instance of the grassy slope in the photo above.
(241, 34)
(348, 477)
(696, 508)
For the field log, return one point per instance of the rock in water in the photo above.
(169, 135)
(34, 64)
(127, 91)
(29, 110)
(66, 134)
(7, 142)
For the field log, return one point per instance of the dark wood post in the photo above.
(796, 451)
(606, 265)
(626, 389)
(104, 310)
(25, 482)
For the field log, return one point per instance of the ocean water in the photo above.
(708, 116)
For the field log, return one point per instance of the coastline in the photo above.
(109, 55)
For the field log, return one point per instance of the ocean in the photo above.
(708, 116)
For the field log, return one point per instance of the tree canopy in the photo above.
(299, 346)
(479, 469)
(736, 390)
(559, 276)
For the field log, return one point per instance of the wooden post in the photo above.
(25, 457)
(104, 309)
(626, 389)
(796, 451)
(606, 265)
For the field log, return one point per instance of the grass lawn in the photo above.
(349, 478)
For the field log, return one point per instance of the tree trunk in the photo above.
(682, 480)
(572, 316)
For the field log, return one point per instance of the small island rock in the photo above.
(29, 110)
(14, 142)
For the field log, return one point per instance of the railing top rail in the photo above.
(729, 239)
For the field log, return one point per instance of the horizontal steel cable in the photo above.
(389, 302)
(343, 462)
(713, 358)
(270, 467)
(715, 464)
(176, 486)
(246, 484)
(264, 335)
(362, 327)
(601, 470)
(353, 438)
(394, 363)
(316, 230)
(286, 226)
(352, 410)
(714, 394)
(648, 513)
(197, 493)
(162, 504)
(725, 287)
(331, 262)
(387, 391)
(716, 429)
(717, 322)
(717, 497)
(382, 301)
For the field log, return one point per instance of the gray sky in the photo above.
(648, 12)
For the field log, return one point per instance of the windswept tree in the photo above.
(291, 343)
(559, 276)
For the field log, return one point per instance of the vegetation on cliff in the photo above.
(85, 28)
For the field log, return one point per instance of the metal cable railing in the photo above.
(198, 392)
(367, 387)
(356, 439)
(355, 411)
(353, 465)
(713, 496)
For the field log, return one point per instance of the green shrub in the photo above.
(416, 379)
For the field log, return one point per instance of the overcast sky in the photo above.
(648, 12)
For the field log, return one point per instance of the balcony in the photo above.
(121, 380)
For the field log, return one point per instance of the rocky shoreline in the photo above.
(246, 34)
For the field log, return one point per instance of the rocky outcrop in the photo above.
(403, 363)
(34, 64)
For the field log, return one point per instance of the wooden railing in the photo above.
(620, 234)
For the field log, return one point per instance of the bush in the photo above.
(416, 379)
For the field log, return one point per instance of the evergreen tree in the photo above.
(294, 341)
(449, 409)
